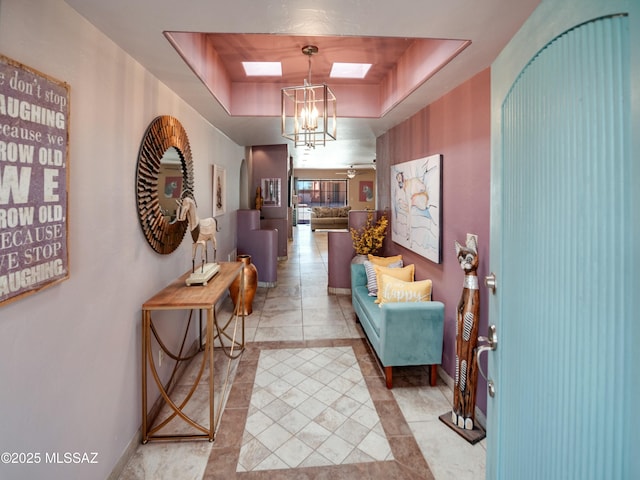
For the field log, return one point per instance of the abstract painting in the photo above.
(416, 214)
(366, 191)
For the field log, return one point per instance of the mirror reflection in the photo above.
(271, 192)
(170, 179)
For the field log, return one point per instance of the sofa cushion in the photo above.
(344, 211)
(372, 315)
(331, 212)
(393, 290)
(405, 274)
(372, 278)
(322, 212)
(384, 261)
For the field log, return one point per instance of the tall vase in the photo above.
(249, 287)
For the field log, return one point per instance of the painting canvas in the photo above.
(366, 191)
(416, 198)
(172, 187)
(219, 190)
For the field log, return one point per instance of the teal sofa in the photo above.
(400, 333)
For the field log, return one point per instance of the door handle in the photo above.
(491, 344)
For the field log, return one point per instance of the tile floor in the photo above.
(310, 407)
(285, 415)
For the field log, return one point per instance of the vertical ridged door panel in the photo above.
(563, 306)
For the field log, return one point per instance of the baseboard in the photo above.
(136, 441)
(445, 377)
(480, 417)
(126, 456)
(338, 291)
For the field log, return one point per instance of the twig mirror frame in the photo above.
(162, 133)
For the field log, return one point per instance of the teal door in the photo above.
(561, 247)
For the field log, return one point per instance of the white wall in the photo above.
(70, 355)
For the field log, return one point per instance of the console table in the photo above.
(179, 296)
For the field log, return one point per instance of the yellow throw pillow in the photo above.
(393, 290)
(405, 274)
(384, 261)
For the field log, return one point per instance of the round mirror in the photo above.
(164, 171)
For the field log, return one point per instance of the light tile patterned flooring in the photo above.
(294, 320)
(310, 407)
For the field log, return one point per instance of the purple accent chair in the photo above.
(261, 244)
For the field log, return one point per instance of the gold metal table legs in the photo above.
(178, 296)
(177, 409)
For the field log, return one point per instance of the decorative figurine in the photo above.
(467, 321)
(259, 200)
(202, 231)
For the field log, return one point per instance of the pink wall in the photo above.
(270, 161)
(423, 59)
(457, 126)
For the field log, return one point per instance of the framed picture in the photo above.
(416, 198)
(172, 187)
(219, 190)
(365, 189)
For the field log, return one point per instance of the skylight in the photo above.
(349, 70)
(262, 69)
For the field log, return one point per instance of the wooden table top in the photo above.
(178, 296)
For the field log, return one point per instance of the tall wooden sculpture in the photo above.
(467, 321)
(259, 199)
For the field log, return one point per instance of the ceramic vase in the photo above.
(249, 287)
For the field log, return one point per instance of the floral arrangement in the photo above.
(369, 238)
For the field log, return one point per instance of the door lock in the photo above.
(490, 282)
(491, 388)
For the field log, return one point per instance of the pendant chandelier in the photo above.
(309, 111)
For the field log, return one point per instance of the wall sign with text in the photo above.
(34, 179)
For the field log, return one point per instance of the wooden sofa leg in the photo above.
(433, 376)
(389, 377)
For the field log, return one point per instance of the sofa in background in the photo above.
(402, 334)
(329, 217)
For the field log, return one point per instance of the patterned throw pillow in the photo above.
(393, 290)
(405, 274)
(384, 261)
(344, 211)
(372, 279)
(322, 212)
